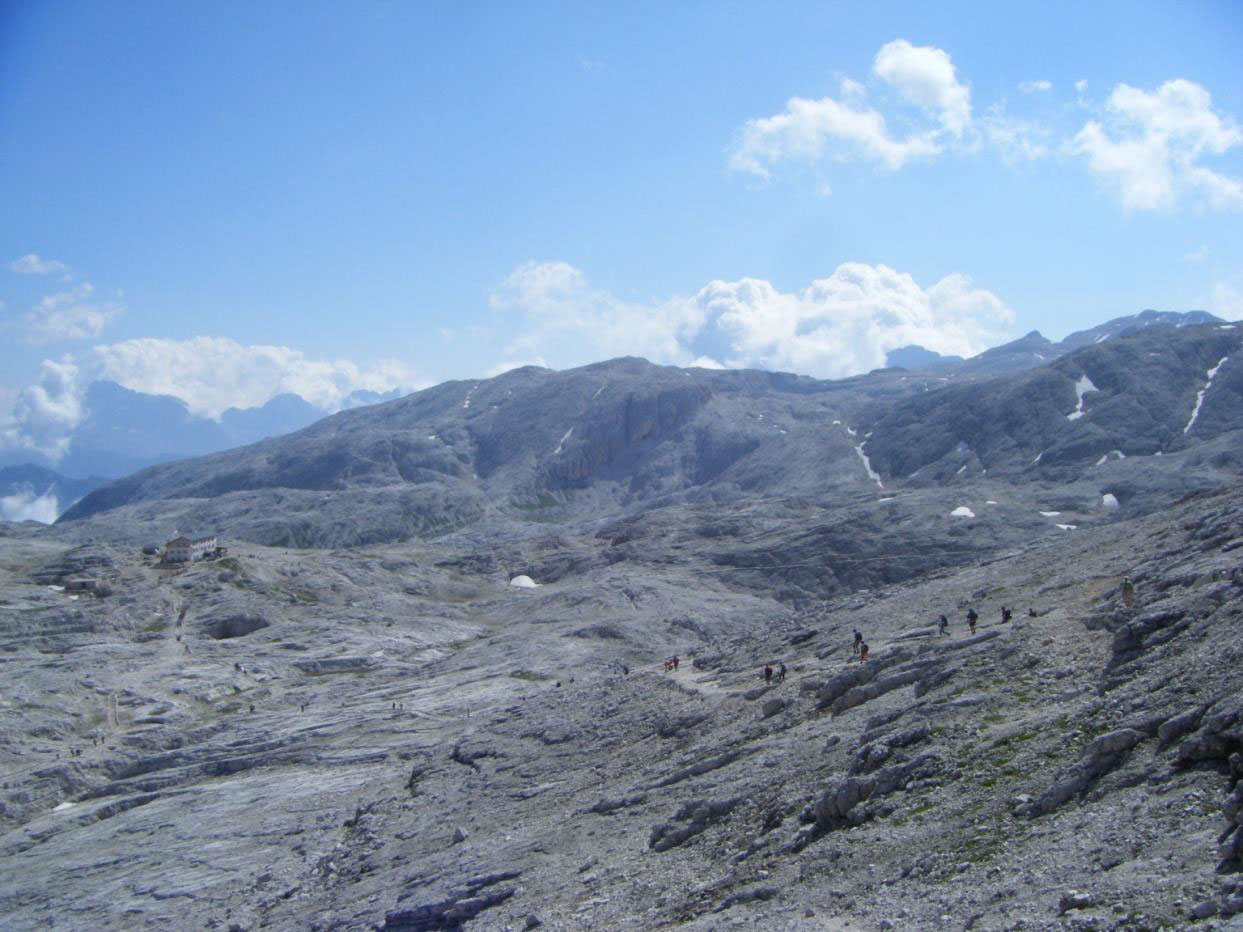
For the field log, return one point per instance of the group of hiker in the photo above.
(860, 648)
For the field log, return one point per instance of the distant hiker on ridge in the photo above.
(863, 653)
(768, 673)
(972, 618)
(858, 641)
(1006, 615)
(781, 672)
(1128, 592)
(943, 626)
(675, 662)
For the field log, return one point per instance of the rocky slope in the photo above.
(355, 721)
(392, 737)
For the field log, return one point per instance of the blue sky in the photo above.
(227, 200)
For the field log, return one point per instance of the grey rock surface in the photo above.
(390, 735)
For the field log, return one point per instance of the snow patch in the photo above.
(523, 582)
(1195, 412)
(961, 469)
(599, 390)
(1068, 527)
(1102, 338)
(1039, 457)
(1050, 514)
(63, 806)
(561, 443)
(1082, 387)
(1109, 500)
(889, 499)
(851, 431)
(990, 502)
(962, 511)
(867, 464)
(1102, 461)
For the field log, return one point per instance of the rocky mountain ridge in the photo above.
(625, 437)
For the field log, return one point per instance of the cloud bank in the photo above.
(211, 374)
(836, 326)
(214, 373)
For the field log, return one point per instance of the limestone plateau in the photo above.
(354, 721)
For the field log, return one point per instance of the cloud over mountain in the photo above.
(210, 374)
(839, 325)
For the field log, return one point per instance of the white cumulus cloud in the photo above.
(210, 374)
(214, 373)
(69, 315)
(847, 323)
(924, 75)
(32, 264)
(837, 326)
(43, 414)
(1151, 145)
(563, 319)
(1035, 87)
(810, 130)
